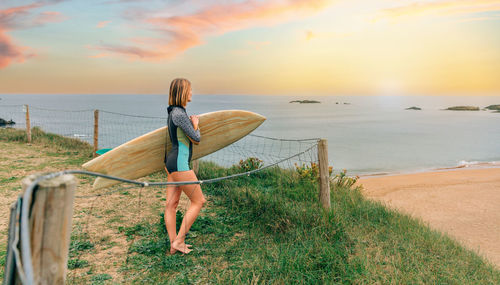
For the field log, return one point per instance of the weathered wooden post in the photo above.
(324, 176)
(28, 123)
(10, 272)
(50, 227)
(196, 166)
(96, 131)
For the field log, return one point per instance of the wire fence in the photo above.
(117, 128)
(249, 156)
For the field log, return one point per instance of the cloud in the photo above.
(21, 17)
(180, 32)
(102, 24)
(9, 52)
(441, 8)
(136, 52)
(98, 55)
(48, 17)
(11, 18)
(123, 1)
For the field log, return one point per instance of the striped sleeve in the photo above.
(181, 120)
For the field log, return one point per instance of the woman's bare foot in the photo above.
(173, 250)
(180, 246)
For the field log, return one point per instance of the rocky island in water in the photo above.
(304, 101)
(493, 108)
(6, 123)
(414, 108)
(463, 108)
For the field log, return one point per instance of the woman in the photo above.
(183, 132)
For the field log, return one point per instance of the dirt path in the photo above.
(463, 203)
(99, 218)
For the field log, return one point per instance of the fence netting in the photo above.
(119, 233)
(116, 128)
(77, 124)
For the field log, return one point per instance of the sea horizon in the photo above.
(367, 135)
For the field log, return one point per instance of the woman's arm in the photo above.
(181, 120)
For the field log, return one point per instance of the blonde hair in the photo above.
(179, 90)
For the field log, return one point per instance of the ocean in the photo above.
(366, 135)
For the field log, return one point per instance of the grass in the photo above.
(266, 228)
(60, 146)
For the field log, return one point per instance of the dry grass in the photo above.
(97, 218)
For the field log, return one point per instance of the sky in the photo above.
(251, 47)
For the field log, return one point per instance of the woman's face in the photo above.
(190, 94)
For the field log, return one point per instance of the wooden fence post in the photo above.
(324, 176)
(10, 272)
(50, 227)
(96, 132)
(28, 123)
(196, 166)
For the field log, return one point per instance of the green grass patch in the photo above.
(80, 242)
(9, 179)
(268, 228)
(100, 278)
(77, 263)
(3, 255)
(63, 145)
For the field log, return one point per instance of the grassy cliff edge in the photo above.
(265, 228)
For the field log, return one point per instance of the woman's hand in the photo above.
(195, 120)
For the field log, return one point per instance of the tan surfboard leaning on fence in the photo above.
(145, 154)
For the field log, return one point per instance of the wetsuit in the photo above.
(179, 129)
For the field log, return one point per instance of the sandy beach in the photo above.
(463, 203)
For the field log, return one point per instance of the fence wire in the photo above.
(248, 156)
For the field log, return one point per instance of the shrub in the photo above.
(341, 180)
(310, 172)
(250, 163)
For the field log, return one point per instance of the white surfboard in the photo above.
(145, 154)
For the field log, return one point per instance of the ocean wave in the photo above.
(473, 164)
(465, 163)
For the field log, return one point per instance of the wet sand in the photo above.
(464, 203)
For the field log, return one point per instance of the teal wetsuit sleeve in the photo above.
(181, 120)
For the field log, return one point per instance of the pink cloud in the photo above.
(10, 18)
(179, 33)
(102, 24)
(9, 52)
(48, 17)
(20, 17)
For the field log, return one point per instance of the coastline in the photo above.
(462, 165)
(462, 202)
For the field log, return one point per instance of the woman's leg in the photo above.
(195, 194)
(173, 195)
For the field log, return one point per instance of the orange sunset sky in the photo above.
(275, 47)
